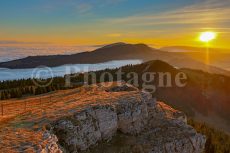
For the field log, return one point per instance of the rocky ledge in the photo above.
(154, 124)
(146, 125)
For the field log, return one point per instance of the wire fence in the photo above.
(14, 107)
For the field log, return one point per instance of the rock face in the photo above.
(156, 127)
(86, 128)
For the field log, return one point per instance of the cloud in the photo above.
(99, 46)
(84, 8)
(111, 2)
(80, 6)
(10, 42)
(220, 30)
(114, 35)
(201, 13)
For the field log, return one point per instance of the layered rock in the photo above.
(86, 128)
(153, 123)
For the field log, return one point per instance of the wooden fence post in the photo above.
(2, 109)
(25, 105)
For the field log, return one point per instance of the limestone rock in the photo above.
(153, 123)
(121, 86)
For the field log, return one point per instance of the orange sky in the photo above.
(107, 21)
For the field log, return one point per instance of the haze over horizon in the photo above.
(67, 23)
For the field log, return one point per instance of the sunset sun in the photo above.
(207, 36)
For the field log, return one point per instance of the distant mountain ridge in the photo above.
(116, 51)
(217, 56)
(193, 49)
(114, 44)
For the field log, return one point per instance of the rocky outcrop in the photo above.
(101, 118)
(121, 87)
(86, 128)
(154, 124)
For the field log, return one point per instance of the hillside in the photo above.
(217, 141)
(205, 97)
(117, 51)
(80, 119)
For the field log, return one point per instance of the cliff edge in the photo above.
(95, 116)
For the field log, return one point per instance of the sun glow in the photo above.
(207, 36)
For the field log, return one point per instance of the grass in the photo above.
(28, 124)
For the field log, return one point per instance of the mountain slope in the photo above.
(205, 96)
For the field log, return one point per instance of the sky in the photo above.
(96, 22)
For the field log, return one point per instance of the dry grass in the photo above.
(25, 125)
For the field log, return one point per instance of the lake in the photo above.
(45, 72)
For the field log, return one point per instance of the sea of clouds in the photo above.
(45, 72)
(8, 53)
